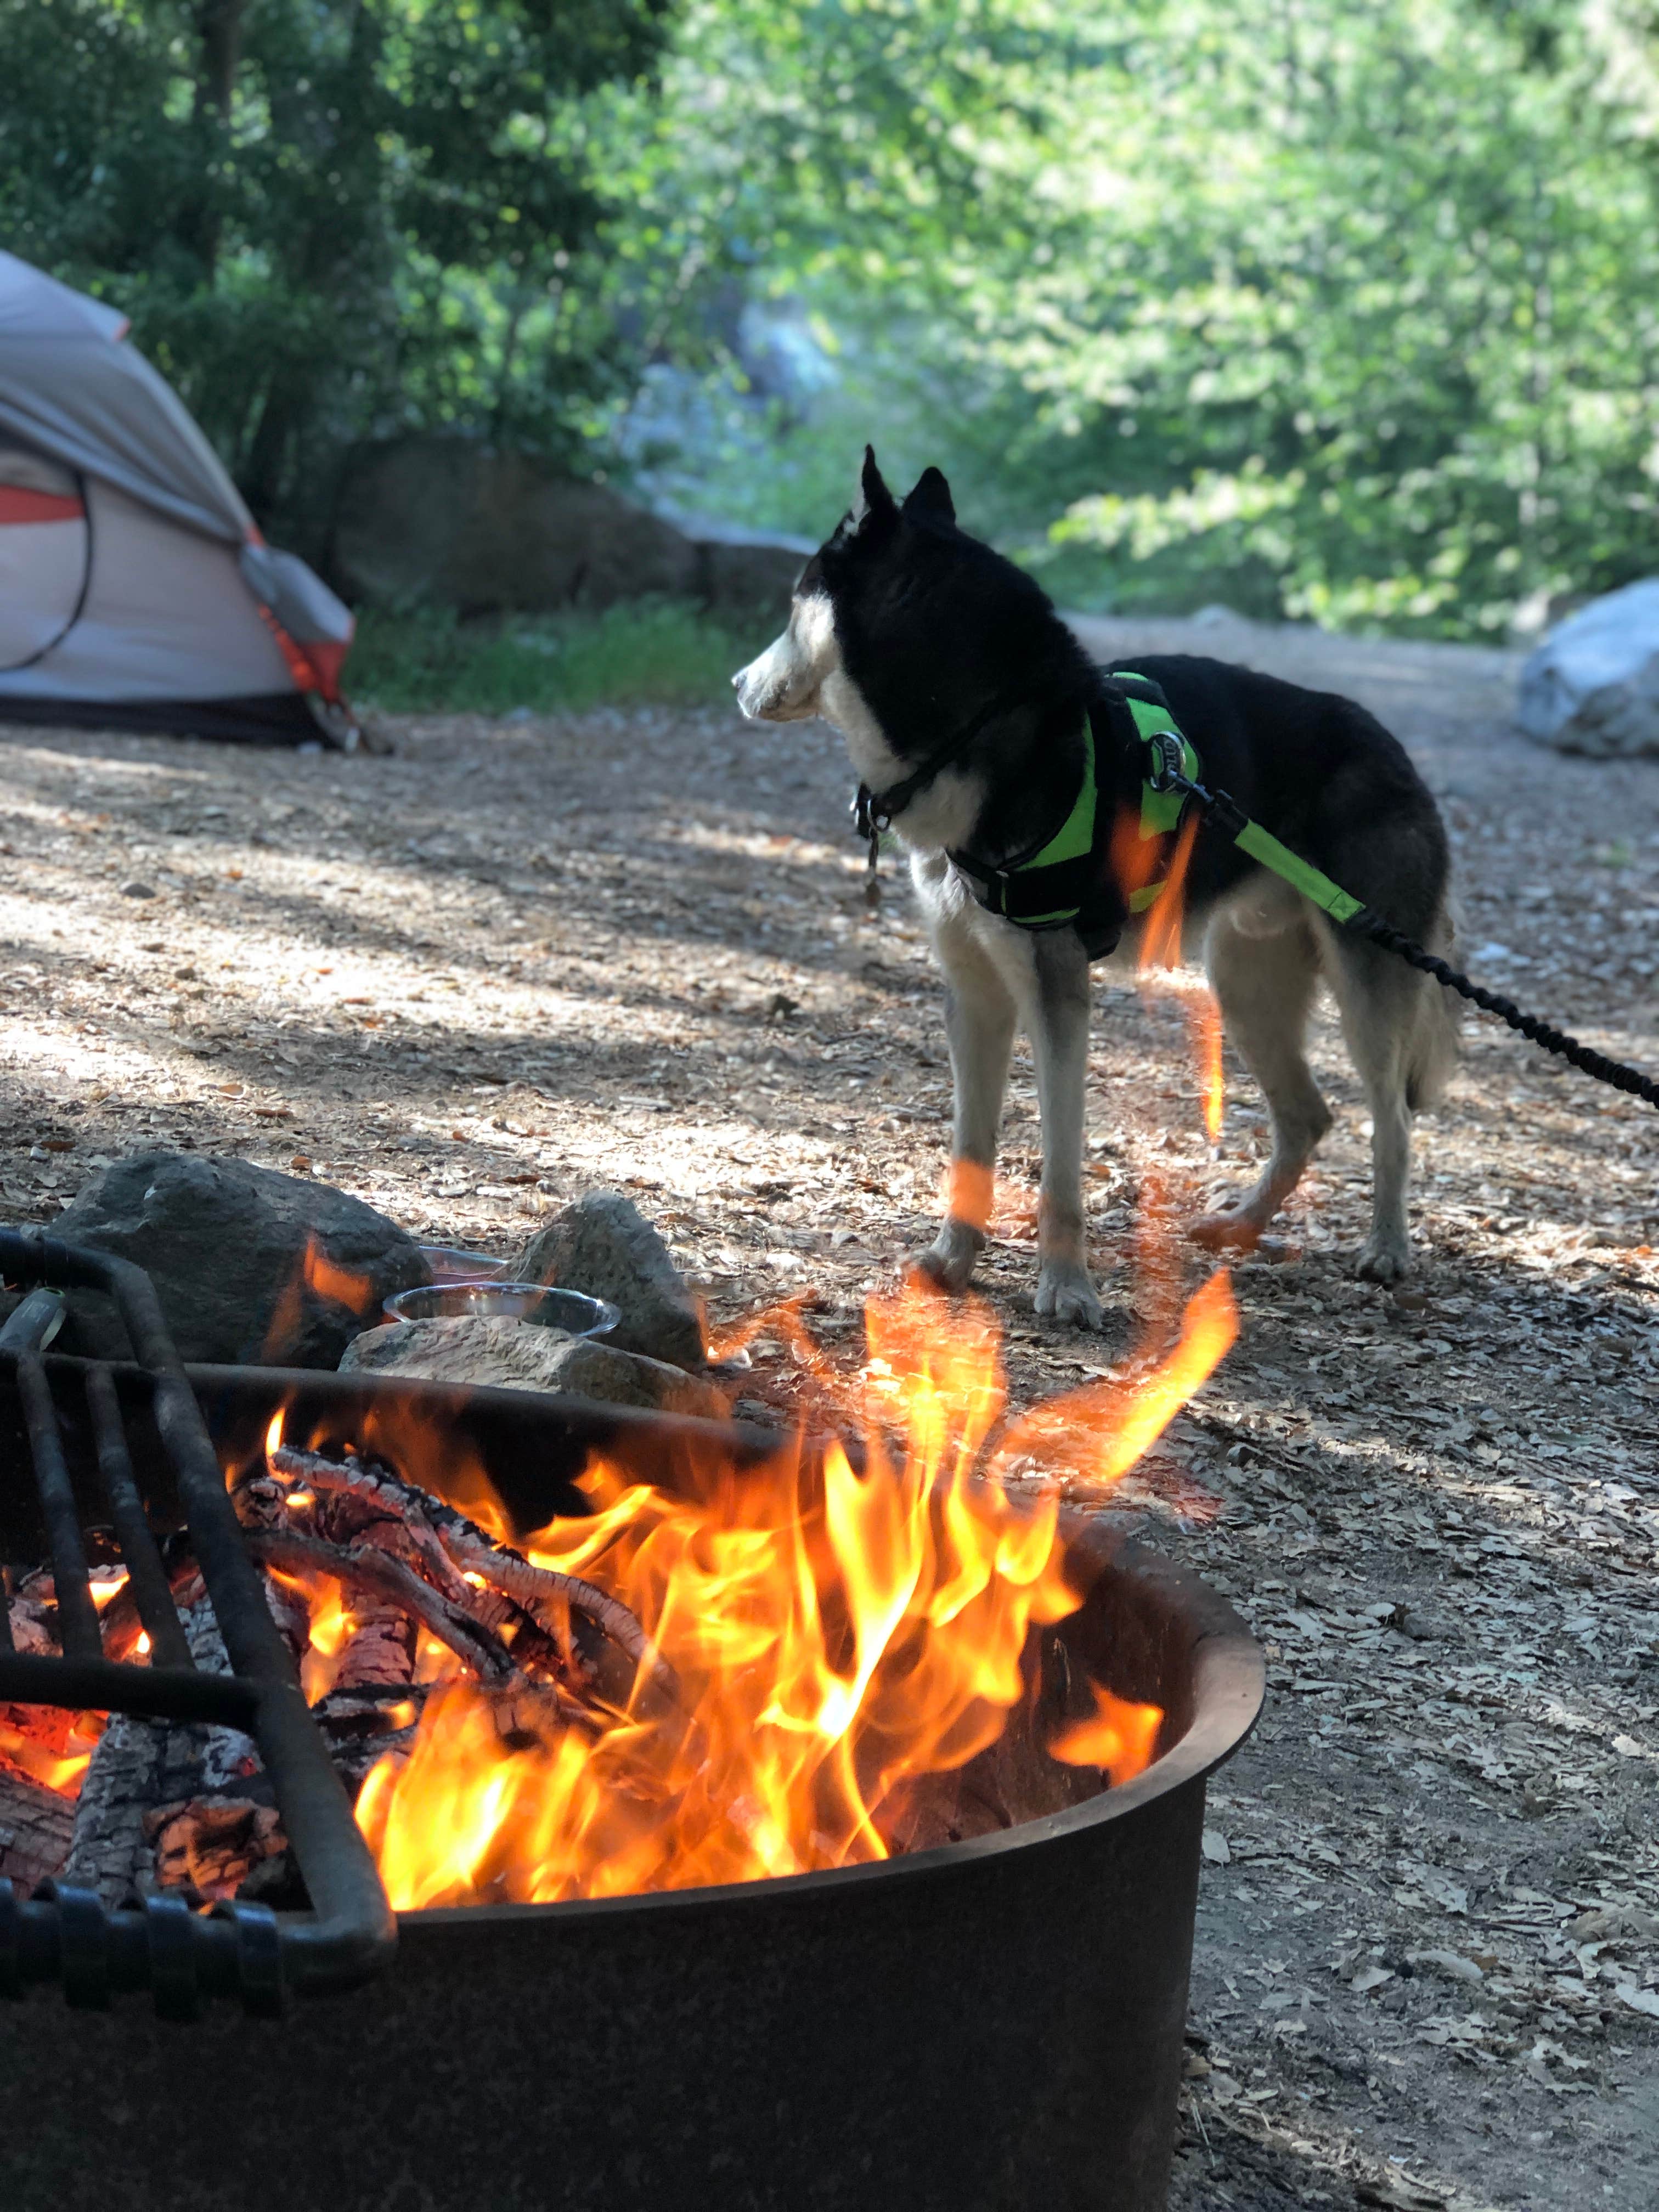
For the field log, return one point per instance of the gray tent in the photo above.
(136, 591)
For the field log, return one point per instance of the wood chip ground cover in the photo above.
(522, 957)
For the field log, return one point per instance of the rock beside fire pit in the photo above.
(523, 1356)
(604, 1245)
(251, 1267)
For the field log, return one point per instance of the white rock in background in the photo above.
(1592, 685)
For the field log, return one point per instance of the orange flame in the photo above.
(1132, 858)
(330, 1281)
(1160, 944)
(1118, 1738)
(105, 1583)
(61, 1770)
(326, 1279)
(1099, 1432)
(970, 1193)
(839, 1636)
(1159, 959)
(1204, 1023)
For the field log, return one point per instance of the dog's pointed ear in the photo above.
(931, 501)
(874, 503)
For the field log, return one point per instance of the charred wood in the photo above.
(141, 1765)
(211, 1844)
(36, 1826)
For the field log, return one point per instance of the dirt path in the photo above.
(522, 957)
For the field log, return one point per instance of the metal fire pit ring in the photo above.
(994, 2025)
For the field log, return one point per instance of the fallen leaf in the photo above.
(1398, 2196)
(1607, 1924)
(1452, 1963)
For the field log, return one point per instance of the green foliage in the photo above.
(1346, 314)
(641, 652)
(326, 220)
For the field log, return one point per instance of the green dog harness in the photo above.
(1068, 879)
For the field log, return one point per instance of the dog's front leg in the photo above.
(979, 1023)
(1060, 1037)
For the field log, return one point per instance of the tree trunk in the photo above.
(219, 26)
(219, 23)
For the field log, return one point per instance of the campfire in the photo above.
(765, 1671)
(732, 1751)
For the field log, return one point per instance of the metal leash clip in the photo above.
(869, 820)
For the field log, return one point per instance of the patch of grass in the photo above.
(426, 661)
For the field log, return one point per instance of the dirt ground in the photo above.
(522, 957)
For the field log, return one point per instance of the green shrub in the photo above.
(426, 661)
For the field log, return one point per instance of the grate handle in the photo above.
(63, 1932)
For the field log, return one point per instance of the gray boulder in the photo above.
(743, 574)
(1592, 685)
(249, 1265)
(604, 1246)
(748, 579)
(524, 1356)
(450, 521)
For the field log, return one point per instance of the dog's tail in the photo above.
(1433, 1047)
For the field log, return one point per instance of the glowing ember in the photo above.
(62, 1771)
(105, 1583)
(837, 1637)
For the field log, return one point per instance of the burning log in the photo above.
(374, 1702)
(410, 1562)
(463, 1549)
(366, 1567)
(176, 1805)
(28, 1609)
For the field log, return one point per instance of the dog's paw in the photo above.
(1065, 1292)
(950, 1260)
(1228, 1229)
(1385, 1260)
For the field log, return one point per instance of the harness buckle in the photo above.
(1164, 772)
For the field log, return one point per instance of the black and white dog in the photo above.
(917, 644)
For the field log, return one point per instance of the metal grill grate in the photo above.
(63, 1933)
